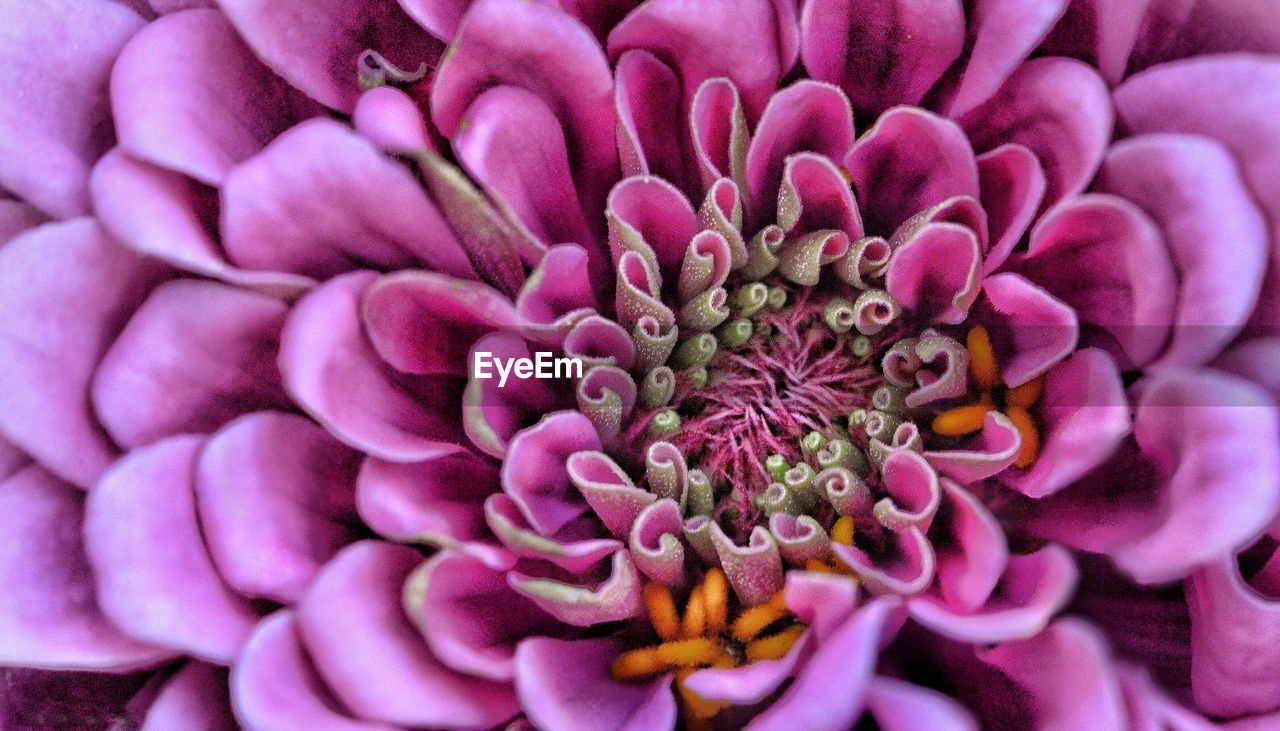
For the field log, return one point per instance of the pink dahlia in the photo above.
(928, 364)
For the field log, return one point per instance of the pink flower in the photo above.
(907, 328)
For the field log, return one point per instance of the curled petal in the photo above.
(1033, 588)
(492, 412)
(648, 213)
(1233, 628)
(655, 545)
(913, 491)
(751, 683)
(598, 341)
(1031, 329)
(573, 554)
(931, 384)
(936, 272)
(438, 501)
(557, 294)
(848, 494)
(993, 450)
(720, 136)
(608, 490)
(607, 396)
(974, 553)
(801, 260)
(646, 91)
(754, 570)
(1013, 186)
(815, 196)
(706, 264)
(906, 567)
(799, 539)
(535, 472)
(617, 598)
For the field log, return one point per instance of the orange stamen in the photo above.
(637, 665)
(961, 420)
(754, 620)
(820, 567)
(1030, 437)
(982, 359)
(662, 611)
(715, 597)
(774, 646)
(1026, 395)
(695, 614)
(699, 651)
(842, 531)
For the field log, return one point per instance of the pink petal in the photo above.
(881, 53)
(1031, 328)
(1192, 189)
(319, 198)
(354, 627)
(168, 216)
(189, 96)
(1100, 33)
(276, 688)
(440, 499)
(535, 473)
(65, 292)
(935, 274)
(1059, 109)
(194, 698)
(615, 599)
(332, 372)
(992, 451)
(174, 369)
(564, 685)
(1106, 259)
(493, 413)
(49, 616)
(1013, 187)
(56, 59)
(538, 48)
(973, 554)
(897, 705)
(649, 135)
(909, 161)
(155, 579)
(16, 217)
(1005, 32)
(276, 503)
(1228, 99)
(1234, 667)
(815, 196)
(654, 211)
(314, 45)
(392, 120)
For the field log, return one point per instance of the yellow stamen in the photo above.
(715, 597)
(699, 651)
(695, 614)
(961, 420)
(694, 704)
(774, 646)
(1026, 395)
(754, 620)
(662, 611)
(637, 665)
(842, 531)
(982, 359)
(1030, 437)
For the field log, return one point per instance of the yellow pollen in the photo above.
(842, 531)
(982, 359)
(774, 646)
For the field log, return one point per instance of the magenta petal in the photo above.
(425, 323)
(557, 295)
(512, 144)
(751, 683)
(822, 601)
(1069, 648)
(535, 473)
(906, 568)
(189, 96)
(16, 217)
(1228, 99)
(319, 198)
(1255, 360)
(572, 550)
(392, 120)
(1099, 32)
(1013, 186)
(974, 553)
(882, 53)
(275, 687)
(616, 598)
(471, 617)
(1059, 109)
(897, 705)
(194, 698)
(1083, 416)
(175, 369)
(492, 413)
(655, 543)
(56, 59)
(440, 17)
(1033, 330)
(315, 44)
(48, 614)
(909, 161)
(1234, 666)
(333, 373)
(564, 685)
(608, 490)
(656, 212)
(156, 580)
(806, 116)
(646, 91)
(1005, 32)
(993, 450)
(65, 292)
(815, 196)
(168, 216)
(1033, 588)
(935, 274)
(828, 692)
(440, 499)
(353, 625)
(541, 49)
(743, 40)
(1191, 188)
(276, 496)
(1106, 259)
